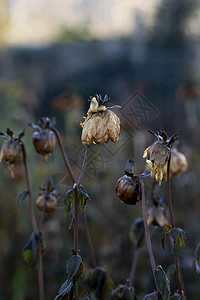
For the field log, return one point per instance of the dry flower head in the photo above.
(157, 155)
(101, 124)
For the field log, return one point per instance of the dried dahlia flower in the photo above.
(158, 153)
(156, 214)
(128, 187)
(101, 124)
(178, 164)
(44, 139)
(12, 148)
(48, 198)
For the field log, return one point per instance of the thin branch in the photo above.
(33, 219)
(68, 166)
(133, 268)
(89, 240)
(148, 240)
(34, 224)
(75, 220)
(178, 272)
(83, 167)
(42, 216)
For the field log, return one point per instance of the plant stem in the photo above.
(148, 240)
(68, 166)
(133, 268)
(33, 219)
(83, 167)
(178, 272)
(75, 220)
(89, 240)
(34, 224)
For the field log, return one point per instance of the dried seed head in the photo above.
(48, 198)
(156, 215)
(44, 142)
(178, 164)
(157, 155)
(12, 148)
(44, 139)
(51, 202)
(128, 189)
(101, 124)
(10, 151)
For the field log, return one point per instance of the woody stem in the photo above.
(178, 272)
(34, 225)
(75, 191)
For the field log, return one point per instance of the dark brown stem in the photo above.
(40, 274)
(89, 240)
(33, 219)
(42, 216)
(133, 268)
(178, 272)
(169, 193)
(75, 220)
(68, 166)
(83, 167)
(148, 240)
(34, 224)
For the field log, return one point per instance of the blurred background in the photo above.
(55, 54)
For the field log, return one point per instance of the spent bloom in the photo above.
(156, 214)
(12, 148)
(44, 139)
(101, 124)
(128, 187)
(48, 198)
(158, 153)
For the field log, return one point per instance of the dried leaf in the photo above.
(179, 237)
(165, 231)
(162, 283)
(137, 232)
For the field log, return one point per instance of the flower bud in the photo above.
(44, 139)
(12, 148)
(51, 202)
(48, 198)
(128, 189)
(11, 151)
(44, 142)
(101, 124)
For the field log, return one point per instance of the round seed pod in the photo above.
(128, 189)
(44, 141)
(51, 202)
(11, 151)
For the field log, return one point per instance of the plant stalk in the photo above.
(133, 268)
(34, 224)
(177, 264)
(67, 164)
(148, 240)
(89, 240)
